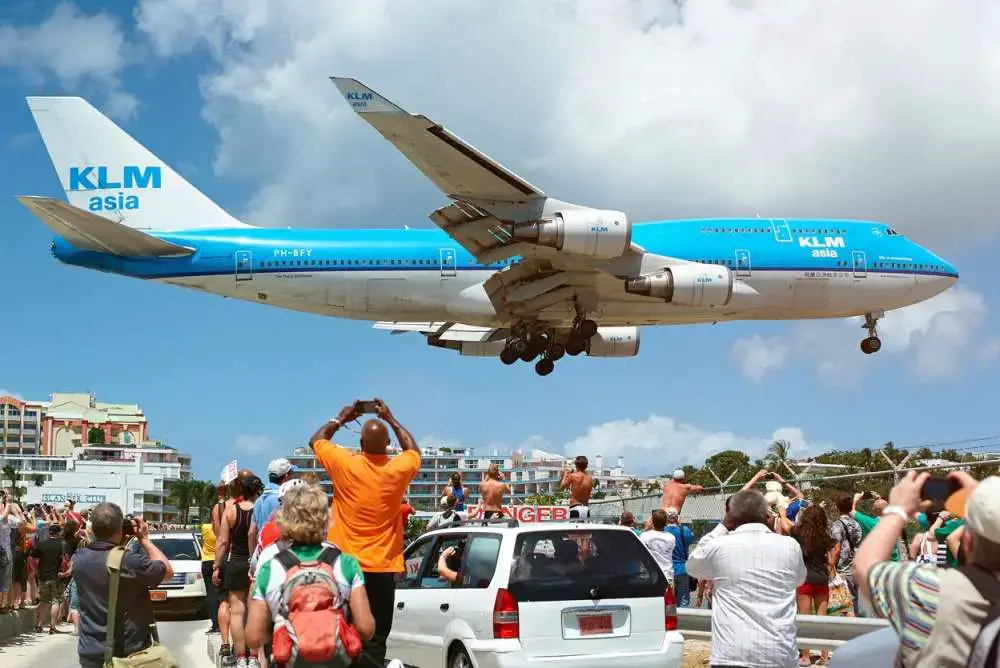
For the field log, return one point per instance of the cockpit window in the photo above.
(892, 233)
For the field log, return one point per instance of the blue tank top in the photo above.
(459, 494)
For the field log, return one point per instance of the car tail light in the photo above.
(669, 609)
(506, 620)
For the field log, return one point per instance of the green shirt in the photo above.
(271, 574)
(868, 523)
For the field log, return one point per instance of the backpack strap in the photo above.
(114, 566)
(287, 559)
(986, 647)
(328, 555)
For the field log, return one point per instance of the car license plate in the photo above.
(155, 595)
(591, 625)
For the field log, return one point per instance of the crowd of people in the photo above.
(295, 580)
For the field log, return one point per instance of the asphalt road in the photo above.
(186, 639)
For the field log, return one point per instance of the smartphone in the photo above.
(867, 495)
(939, 489)
(367, 406)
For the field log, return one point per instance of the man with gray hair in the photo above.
(139, 574)
(755, 573)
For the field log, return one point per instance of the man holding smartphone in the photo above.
(368, 489)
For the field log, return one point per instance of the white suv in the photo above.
(185, 592)
(566, 594)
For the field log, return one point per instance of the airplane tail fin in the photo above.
(105, 171)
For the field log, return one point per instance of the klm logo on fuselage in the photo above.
(101, 178)
(822, 247)
(359, 100)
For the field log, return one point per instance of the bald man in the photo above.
(368, 491)
(492, 489)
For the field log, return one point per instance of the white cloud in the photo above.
(718, 107)
(938, 335)
(76, 49)
(10, 393)
(758, 355)
(256, 446)
(658, 444)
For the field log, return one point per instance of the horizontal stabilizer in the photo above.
(89, 231)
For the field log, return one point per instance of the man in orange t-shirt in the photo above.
(366, 521)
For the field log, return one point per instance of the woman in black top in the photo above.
(813, 596)
(233, 548)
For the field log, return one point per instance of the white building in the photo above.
(135, 478)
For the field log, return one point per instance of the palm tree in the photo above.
(205, 498)
(653, 486)
(779, 451)
(635, 485)
(182, 494)
(8, 473)
(39, 479)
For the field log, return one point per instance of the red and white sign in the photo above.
(525, 514)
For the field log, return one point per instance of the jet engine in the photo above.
(592, 233)
(693, 284)
(470, 348)
(614, 342)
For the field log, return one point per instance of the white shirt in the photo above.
(754, 574)
(661, 545)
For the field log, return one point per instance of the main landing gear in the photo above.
(872, 344)
(528, 345)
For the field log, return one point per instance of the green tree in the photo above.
(205, 497)
(95, 436)
(182, 493)
(727, 462)
(653, 486)
(635, 486)
(39, 479)
(598, 495)
(779, 451)
(9, 473)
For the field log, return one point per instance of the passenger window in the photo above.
(414, 561)
(480, 562)
(431, 579)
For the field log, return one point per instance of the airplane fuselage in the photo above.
(785, 270)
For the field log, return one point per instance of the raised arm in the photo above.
(326, 432)
(405, 438)
(567, 480)
(754, 480)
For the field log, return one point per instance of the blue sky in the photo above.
(611, 104)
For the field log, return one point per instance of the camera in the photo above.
(128, 529)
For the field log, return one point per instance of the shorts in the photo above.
(813, 589)
(50, 591)
(236, 576)
(74, 598)
(579, 512)
(489, 514)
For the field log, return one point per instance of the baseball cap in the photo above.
(279, 467)
(678, 474)
(982, 512)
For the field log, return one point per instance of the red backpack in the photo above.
(312, 625)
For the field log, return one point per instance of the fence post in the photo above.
(722, 485)
(895, 467)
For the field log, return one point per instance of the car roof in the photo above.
(514, 528)
(171, 534)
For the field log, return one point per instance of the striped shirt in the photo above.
(907, 594)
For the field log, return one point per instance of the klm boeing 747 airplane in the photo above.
(510, 272)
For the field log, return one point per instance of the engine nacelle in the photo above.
(470, 348)
(614, 342)
(595, 233)
(694, 284)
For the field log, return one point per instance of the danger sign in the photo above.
(525, 514)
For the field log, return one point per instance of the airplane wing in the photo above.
(89, 231)
(444, 331)
(458, 169)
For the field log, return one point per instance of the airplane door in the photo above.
(742, 262)
(449, 263)
(782, 232)
(244, 265)
(860, 264)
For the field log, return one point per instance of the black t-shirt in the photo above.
(817, 568)
(49, 553)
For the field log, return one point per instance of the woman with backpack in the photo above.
(309, 570)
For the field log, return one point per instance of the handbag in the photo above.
(840, 599)
(154, 656)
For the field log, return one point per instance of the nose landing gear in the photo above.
(872, 344)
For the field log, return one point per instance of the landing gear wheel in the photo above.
(544, 366)
(556, 352)
(871, 345)
(508, 356)
(537, 345)
(575, 346)
(586, 329)
(519, 345)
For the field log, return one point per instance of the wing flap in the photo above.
(454, 166)
(88, 231)
(442, 331)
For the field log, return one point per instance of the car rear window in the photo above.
(179, 549)
(571, 564)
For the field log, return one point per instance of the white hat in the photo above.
(278, 467)
(289, 485)
(678, 474)
(982, 511)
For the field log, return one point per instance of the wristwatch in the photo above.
(896, 510)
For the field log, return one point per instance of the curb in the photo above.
(212, 641)
(16, 623)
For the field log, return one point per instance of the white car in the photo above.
(565, 595)
(185, 591)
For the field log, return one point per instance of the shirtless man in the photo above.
(676, 490)
(580, 486)
(492, 489)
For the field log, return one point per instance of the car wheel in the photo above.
(460, 659)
